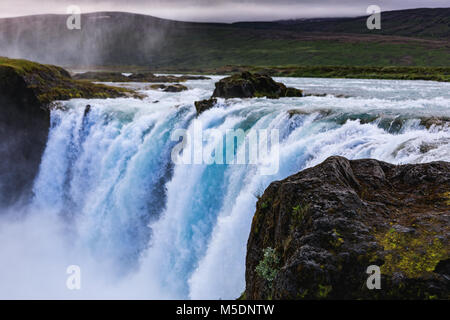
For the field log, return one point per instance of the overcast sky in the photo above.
(217, 10)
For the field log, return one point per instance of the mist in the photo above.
(37, 252)
(104, 39)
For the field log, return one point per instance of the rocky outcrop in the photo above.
(49, 83)
(204, 105)
(26, 89)
(169, 88)
(248, 85)
(134, 77)
(23, 134)
(315, 234)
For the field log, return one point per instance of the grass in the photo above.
(225, 51)
(50, 83)
(218, 47)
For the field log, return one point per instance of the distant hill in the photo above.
(418, 37)
(419, 23)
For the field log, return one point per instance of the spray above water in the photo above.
(110, 199)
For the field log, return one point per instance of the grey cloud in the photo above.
(216, 10)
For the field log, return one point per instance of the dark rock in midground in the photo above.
(169, 88)
(204, 105)
(321, 228)
(248, 85)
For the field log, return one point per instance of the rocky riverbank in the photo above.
(315, 234)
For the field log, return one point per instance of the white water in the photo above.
(109, 199)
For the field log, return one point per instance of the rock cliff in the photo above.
(26, 90)
(315, 234)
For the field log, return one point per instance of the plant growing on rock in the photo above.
(268, 266)
(298, 214)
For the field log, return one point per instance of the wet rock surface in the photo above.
(248, 85)
(315, 233)
(204, 105)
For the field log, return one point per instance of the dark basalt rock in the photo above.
(27, 90)
(169, 88)
(23, 135)
(204, 105)
(321, 228)
(175, 88)
(248, 85)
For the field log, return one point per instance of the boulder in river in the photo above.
(204, 105)
(169, 88)
(249, 85)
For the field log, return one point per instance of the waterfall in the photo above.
(157, 229)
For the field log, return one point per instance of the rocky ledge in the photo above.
(48, 83)
(315, 234)
(26, 91)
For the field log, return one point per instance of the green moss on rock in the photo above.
(50, 83)
(248, 85)
(411, 254)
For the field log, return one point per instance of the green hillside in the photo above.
(408, 38)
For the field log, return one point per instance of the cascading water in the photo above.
(110, 199)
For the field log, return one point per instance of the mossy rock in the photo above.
(50, 83)
(329, 223)
(27, 91)
(249, 85)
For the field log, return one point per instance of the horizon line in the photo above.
(216, 22)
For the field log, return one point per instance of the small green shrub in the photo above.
(268, 266)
